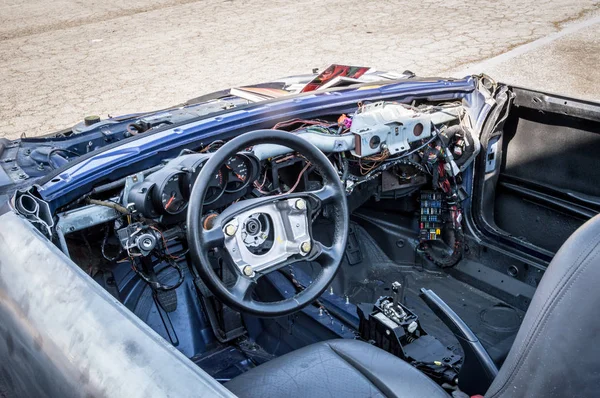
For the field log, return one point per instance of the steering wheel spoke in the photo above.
(242, 289)
(325, 255)
(325, 195)
(212, 238)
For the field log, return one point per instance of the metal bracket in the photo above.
(82, 218)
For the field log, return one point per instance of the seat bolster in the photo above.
(556, 353)
(393, 376)
(335, 368)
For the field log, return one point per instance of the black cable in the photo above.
(160, 286)
(104, 241)
(52, 151)
(345, 169)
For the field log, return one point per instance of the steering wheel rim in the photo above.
(239, 296)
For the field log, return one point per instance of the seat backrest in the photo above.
(557, 350)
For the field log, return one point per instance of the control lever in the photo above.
(478, 369)
(396, 289)
(398, 298)
(399, 289)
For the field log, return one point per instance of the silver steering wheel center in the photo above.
(268, 235)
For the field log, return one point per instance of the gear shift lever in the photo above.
(398, 291)
(396, 286)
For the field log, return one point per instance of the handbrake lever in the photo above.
(478, 369)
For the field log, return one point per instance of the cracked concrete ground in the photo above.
(62, 60)
(568, 64)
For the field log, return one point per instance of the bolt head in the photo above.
(248, 271)
(230, 230)
(305, 246)
(300, 204)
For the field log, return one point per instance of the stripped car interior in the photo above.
(385, 235)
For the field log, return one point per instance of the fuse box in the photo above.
(430, 219)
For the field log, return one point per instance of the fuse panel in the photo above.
(430, 220)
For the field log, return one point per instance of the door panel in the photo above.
(549, 178)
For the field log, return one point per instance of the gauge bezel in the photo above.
(161, 188)
(193, 175)
(250, 166)
(225, 176)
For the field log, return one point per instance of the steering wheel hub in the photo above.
(256, 233)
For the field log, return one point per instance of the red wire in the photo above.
(299, 178)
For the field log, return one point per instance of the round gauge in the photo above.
(215, 187)
(238, 168)
(171, 197)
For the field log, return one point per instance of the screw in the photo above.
(230, 230)
(331, 290)
(248, 271)
(320, 311)
(347, 300)
(305, 247)
(300, 204)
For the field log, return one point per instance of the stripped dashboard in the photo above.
(384, 150)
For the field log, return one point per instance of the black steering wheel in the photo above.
(289, 217)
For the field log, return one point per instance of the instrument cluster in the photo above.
(166, 192)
